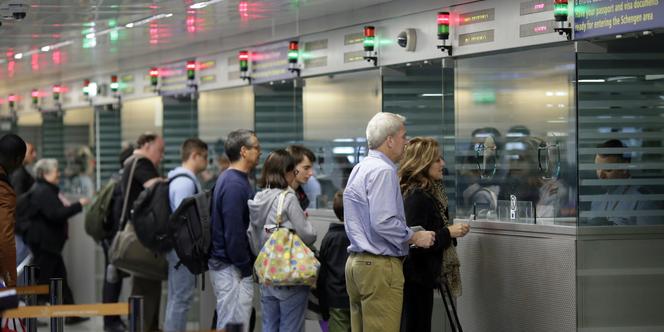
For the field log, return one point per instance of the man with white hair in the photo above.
(376, 226)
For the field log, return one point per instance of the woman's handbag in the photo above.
(285, 260)
(126, 251)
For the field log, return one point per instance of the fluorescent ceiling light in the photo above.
(90, 36)
(431, 95)
(46, 48)
(594, 80)
(204, 4)
(18, 56)
(129, 25)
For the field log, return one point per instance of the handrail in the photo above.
(32, 290)
(69, 310)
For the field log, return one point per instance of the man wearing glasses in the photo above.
(231, 261)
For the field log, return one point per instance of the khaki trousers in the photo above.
(375, 287)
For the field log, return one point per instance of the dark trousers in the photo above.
(417, 307)
(110, 292)
(51, 265)
(151, 292)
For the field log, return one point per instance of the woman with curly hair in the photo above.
(425, 203)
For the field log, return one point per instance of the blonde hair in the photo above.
(419, 155)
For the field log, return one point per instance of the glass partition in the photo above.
(336, 110)
(79, 177)
(219, 113)
(141, 115)
(620, 246)
(515, 145)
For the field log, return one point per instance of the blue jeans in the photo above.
(234, 296)
(181, 285)
(284, 308)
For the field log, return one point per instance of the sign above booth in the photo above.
(270, 63)
(595, 18)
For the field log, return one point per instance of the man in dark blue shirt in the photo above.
(231, 261)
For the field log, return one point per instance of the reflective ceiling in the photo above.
(66, 35)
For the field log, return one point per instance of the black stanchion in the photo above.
(136, 314)
(30, 279)
(57, 323)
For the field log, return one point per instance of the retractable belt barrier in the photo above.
(57, 311)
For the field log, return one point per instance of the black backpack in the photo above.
(150, 214)
(191, 231)
(25, 213)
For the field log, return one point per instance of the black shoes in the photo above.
(75, 320)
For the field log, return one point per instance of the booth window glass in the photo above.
(515, 145)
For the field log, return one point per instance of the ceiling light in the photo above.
(431, 95)
(199, 5)
(90, 36)
(594, 80)
(46, 48)
(204, 4)
(129, 25)
(18, 56)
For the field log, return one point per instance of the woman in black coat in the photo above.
(425, 204)
(48, 226)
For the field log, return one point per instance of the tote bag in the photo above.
(285, 260)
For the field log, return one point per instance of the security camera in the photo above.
(408, 39)
(14, 10)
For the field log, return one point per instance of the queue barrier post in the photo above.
(30, 278)
(57, 323)
(136, 314)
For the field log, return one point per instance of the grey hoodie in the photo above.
(263, 211)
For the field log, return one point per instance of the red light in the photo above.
(561, 2)
(86, 83)
(35, 94)
(114, 78)
(369, 31)
(154, 72)
(444, 18)
(293, 46)
(12, 98)
(243, 55)
(57, 89)
(191, 65)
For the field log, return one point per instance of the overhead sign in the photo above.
(270, 63)
(594, 18)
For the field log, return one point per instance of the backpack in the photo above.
(150, 215)
(24, 213)
(97, 215)
(191, 231)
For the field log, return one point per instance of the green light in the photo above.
(292, 55)
(85, 91)
(560, 8)
(443, 28)
(244, 64)
(114, 35)
(89, 42)
(112, 23)
(191, 74)
(369, 42)
(115, 86)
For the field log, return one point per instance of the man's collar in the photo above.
(382, 156)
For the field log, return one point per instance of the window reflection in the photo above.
(523, 160)
(336, 111)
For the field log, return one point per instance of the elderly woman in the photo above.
(425, 203)
(48, 229)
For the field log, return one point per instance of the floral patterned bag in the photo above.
(285, 260)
